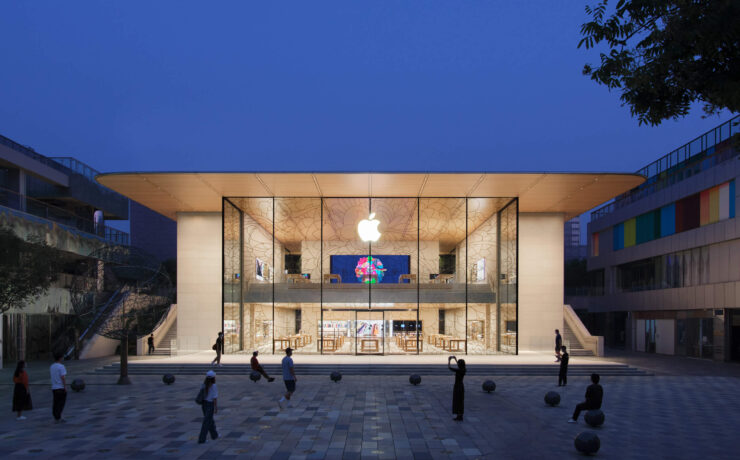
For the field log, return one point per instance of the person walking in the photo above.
(150, 341)
(289, 377)
(58, 375)
(21, 391)
(558, 345)
(209, 407)
(256, 366)
(458, 391)
(563, 374)
(218, 347)
(594, 396)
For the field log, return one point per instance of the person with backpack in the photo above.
(208, 398)
(21, 393)
(218, 347)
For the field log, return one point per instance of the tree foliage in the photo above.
(664, 55)
(27, 269)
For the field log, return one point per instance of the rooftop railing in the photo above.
(13, 200)
(33, 154)
(77, 166)
(689, 159)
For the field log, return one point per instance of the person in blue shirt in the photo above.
(288, 377)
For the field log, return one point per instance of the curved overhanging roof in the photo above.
(169, 193)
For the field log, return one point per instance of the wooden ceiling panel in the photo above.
(169, 193)
(506, 185)
(299, 184)
(444, 185)
(344, 184)
(403, 185)
(235, 184)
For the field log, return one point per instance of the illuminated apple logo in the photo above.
(368, 229)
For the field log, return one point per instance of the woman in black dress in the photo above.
(458, 391)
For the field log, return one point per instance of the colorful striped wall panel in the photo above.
(703, 208)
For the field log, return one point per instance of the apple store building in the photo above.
(370, 263)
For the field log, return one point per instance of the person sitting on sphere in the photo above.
(594, 396)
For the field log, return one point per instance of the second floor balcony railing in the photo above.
(13, 200)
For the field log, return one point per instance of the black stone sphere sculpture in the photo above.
(415, 379)
(552, 398)
(595, 417)
(587, 443)
(489, 386)
(254, 376)
(335, 376)
(168, 379)
(77, 385)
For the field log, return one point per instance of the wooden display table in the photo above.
(328, 277)
(283, 342)
(329, 344)
(409, 344)
(454, 344)
(369, 346)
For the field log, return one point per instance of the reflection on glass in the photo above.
(438, 277)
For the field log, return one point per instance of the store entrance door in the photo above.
(370, 332)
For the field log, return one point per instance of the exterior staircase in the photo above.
(610, 369)
(574, 347)
(165, 345)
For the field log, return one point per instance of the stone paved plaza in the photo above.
(378, 417)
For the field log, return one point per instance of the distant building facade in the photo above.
(58, 200)
(153, 232)
(572, 235)
(664, 258)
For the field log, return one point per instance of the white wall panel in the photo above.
(540, 280)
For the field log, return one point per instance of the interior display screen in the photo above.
(370, 269)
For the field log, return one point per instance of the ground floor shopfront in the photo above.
(370, 263)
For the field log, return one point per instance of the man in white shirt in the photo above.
(58, 375)
(288, 377)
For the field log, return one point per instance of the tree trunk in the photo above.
(123, 379)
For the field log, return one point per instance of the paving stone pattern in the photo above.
(378, 417)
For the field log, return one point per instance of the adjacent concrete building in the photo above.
(665, 256)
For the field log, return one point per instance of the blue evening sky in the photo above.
(344, 85)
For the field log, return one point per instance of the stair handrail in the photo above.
(165, 325)
(96, 322)
(593, 343)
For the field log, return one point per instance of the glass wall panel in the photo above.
(232, 278)
(507, 282)
(298, 286)
(370, 276)
(262, 263)
(347, 270)
(396, 254)
(442, 274)
(482, 275)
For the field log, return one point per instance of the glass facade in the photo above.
(370, 275)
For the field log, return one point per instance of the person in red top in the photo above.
(256, 366)
(21, 394)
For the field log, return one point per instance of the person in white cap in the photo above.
(210, 407)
